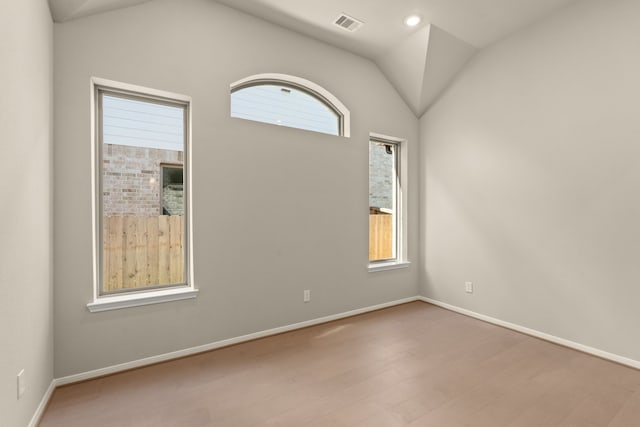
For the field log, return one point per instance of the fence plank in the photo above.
(164, 274)
(176, 259)
(141, 252)
(129, 258)
(152, 250)
(113, 243)
(106, 258)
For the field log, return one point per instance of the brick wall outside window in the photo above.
(131, 179)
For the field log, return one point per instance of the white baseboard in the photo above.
(551, 338)
(219, 344)
(43, 404)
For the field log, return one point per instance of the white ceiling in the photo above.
(420, 62)
(63, 10)
(476, 22)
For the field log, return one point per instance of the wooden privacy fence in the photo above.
(143, 251)
(380, 236)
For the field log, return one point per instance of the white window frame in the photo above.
(311, 88)
(400, 202)
(136, 297)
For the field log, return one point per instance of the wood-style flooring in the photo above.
(409, 365)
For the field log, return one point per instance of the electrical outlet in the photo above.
(468, 287)
(307, 296)
(22, 386)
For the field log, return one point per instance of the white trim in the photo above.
(223, 343)
(532, 332)
(383, 266)
(93, 81)
(142, 90)
(305, 84)
(43, 404)
(116, 302)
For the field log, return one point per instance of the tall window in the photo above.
(384, 200)
(289, 101)
(142, 191)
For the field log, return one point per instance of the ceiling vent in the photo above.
(348, 23)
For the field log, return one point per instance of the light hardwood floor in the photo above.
(414, 364)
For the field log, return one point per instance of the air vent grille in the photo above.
(348, 23)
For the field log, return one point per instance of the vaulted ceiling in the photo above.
(420, 61)
(64, 10)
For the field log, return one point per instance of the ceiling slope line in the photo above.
(422, 66)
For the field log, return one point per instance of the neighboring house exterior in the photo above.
(142, 181)
(142, 158)
(380, 179)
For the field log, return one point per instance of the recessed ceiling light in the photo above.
(412, 21)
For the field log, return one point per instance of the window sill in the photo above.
(143, 298)
(392, 265)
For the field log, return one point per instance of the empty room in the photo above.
(320, 213)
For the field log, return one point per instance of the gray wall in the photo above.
(276, 210)
(26, 330)
(529, 179)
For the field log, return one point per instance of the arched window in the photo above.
(289, 101)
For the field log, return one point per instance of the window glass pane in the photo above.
(382, 201)
(284, 106)
(143, 201)
(136, 123)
